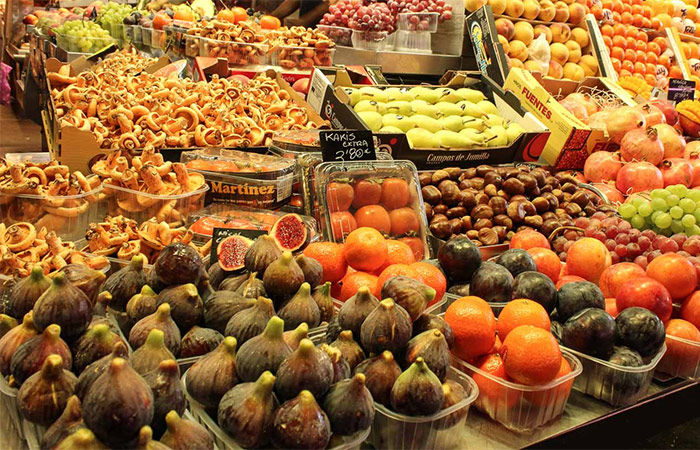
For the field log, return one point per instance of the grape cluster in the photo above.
(339, 14)
(675, 209)
(417, 6)
(358, 16)
(82, 36)
(113, 14)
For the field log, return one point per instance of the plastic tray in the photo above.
(400, 432)
(684, 365)
(146, 36)
(339, 35)
(376, 41)
(238, 53)
(301, 58)
(353, 171)
(413, 41)
(68, 215)
(133, 34)
(519, 407)
(157, 38)
(612, 383)
(418, 21)
(71, 43)
(192, 46)
(141, 206)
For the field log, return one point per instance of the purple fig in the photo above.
(186, 306)
(263, 352)
(411, 294)
(199, 341)
(183, 434)
(214, 374)
(43, 396)
(341, 368)
(349, 406)
(431, 322)
(27, 291)
(142, 304)
(30, 356)
(381, 373)
(149, 355)
(417, 391)
(294, 337)
(221, 306)
(351, 350)
(64, 305)
(356, 309)
(95, 369)
(388, 327)
(97, 342)
(301, 308)
(432, 346)
(324, 301)
(125, 283)
(13, 339)
(250, 322)
(301, 423)
(70, 420)
(168, 394)
(307, 368)
(159, 320)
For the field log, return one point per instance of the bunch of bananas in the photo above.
(635, 86)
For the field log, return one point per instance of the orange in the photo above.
(433, 277)
(473, 325)
(226, 15)
(365, 249)
(330, 256)
(531, 355)
(240, 13)
(186, 15)
(675, 72)
(270, 22)
(682, 353)
(553, 395)
(607, 30)
(396, 270)
(355, 281)
(398, 252)
(492, 394)
(521, 312)
(690, 310)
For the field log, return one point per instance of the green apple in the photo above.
(399, 107)
(390, 130)
(372, 119)
(473, 123)
(470, 95)
(425, 122)
(403, 123)
(487, 107)
(370, 105)
(420, 138)
(496, 136)
(354, 94)
(430, 95)
(448, 109)
(452, 123)
(450, 139)
(395, 94)
(470, 109)
(513, 131)
(493, 120)
(372, 93)
(449, 95)
(474, 135)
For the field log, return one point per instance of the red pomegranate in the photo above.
(694, 159)
(598, 120)
(575, 108)
(610, 191)
(668, 109)
(584, 100)
(692, 150)
(652, 114)
(673, 142)
(623, 120)
(677, 171)
(639, 177)
(602, 166)
(642, 144)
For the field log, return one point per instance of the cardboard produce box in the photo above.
(327, 96)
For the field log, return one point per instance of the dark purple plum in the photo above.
(538, 287)
(459, 259)
(590, 331)
(517, 261)
(492, 282)
(573, 297)
(641, 330)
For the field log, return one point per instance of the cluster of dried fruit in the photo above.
(60, 194)
(125, 238)
(146, 111)
(156, 181)
(25, 246)
(77, 376)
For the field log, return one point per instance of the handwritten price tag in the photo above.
(347, 145)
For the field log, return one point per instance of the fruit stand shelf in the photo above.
(398, 62)
(587, 420)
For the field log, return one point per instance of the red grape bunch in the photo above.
(341, 13)
(359, 16)
(417, 6)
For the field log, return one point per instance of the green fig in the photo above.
(417, 391)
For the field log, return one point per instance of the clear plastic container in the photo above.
(376, 41)
(68, 215)
(413, 41)
(339, 35)
(133, 34)
(682, 360)
(157, 38)
(613, 383)
(32, 434)
(301, 58)
(21, 158)
(237, 53)
(519, 407)
(140, 206)
(146, 36)
(72, 43)
(439, 431)
(417, 21)
(336, 225)
(243, 178)
(192, 46)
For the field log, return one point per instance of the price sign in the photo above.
(679, 89)
(219, 234)
(347, 145)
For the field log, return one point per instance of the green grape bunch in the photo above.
(82, 36)
(674, 209)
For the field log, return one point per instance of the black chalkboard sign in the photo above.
(219, 234)
(347, 145)
(679, 89)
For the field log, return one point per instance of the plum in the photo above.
(641, 330)
(556, 328)
(517, 260)
(538, 287)
(622, 388)
(492, 282)
(573, 297)
(459, 258)
(591, 331)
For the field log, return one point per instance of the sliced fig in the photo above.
(231, 252)
(290, 232)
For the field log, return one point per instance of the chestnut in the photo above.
(428, 210)
(572, 209)
(482, 212)
(481, 198)
(425, 178)
(580, 198)
(513, 186)
(468, 173)
(528, 181)
(439, 176)
(456, 212)
(516, 211)
(441, 230)
(438, 218)
(529, 208)
(540, 175)
(466, 223)
(466, 199)
(440, 209)
(533, 221)
(454, 172)
(477, 183)
(456, 225)
(483, 169)
(490, 190)
(488, 236)
(482, 223)
(493, 178)
(541, 204)
(503, 220)
(500, 232)
(473, 234)
(450, 192)
(498, 205)
(431, 194)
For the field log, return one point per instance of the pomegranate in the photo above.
(585, 100)
(677, 171)
(693, 157)
(638, 177)
(602, 166)
(610, 191)
(598, 120)
(652, 114)
(668, 109)
(575, 108)
(692, 150)
(623, 120)
(642, 144)
(673, 142)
